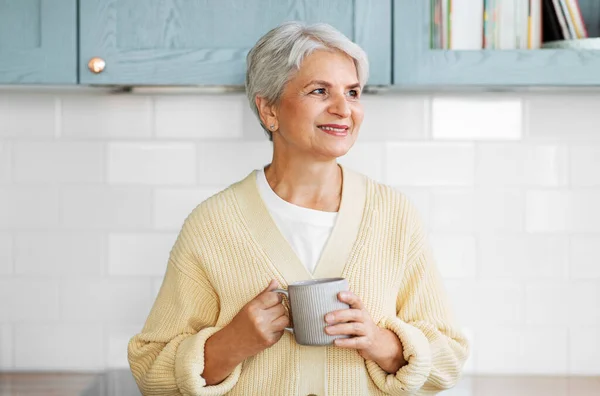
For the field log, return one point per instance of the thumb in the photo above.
(272, 285)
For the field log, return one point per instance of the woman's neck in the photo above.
(314, 185)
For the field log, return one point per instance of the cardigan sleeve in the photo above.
(433, 345)
(167, 357)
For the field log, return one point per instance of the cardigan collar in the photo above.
(339, 245)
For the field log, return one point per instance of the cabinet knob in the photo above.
(96, 65)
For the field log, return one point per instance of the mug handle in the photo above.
(285, 293)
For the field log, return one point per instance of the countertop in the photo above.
(120, 382)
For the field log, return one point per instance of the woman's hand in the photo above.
(260, 323)
(257, 326)
(372, 342)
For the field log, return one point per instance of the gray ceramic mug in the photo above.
(310, 301)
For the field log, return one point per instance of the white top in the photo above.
(306, 230)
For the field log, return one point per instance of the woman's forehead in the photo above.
(329, 66)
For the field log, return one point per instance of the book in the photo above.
(561, 19)
(466, 25)
(535, 25)
(568, 19)
(551, 29)
(575, 11)
(503, 24)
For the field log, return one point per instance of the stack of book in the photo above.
(504, 24)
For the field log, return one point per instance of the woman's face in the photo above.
(320, 113)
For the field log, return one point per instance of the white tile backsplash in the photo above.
(26, 116)
(569, 117)
(94, 188)
(548, 211)
(486, 302)
(479, 118)
(6, 254)
(585, 163)
(532, 350)
(584, 303)
(455, 255)
(97, 301)
(152, 163)
(563, 211)
(584, 343)
(498, 302)
(453, 210)
(55, 347)
(367, 158)
(6, 347)
(499, 210)
(500, 357)
(69, 253)
(117, 338)
(538, 357)
(172, 206)
(394, 118)
(524, 256)
(139, 254)
(221, 163)
(199, 117)
(585, 257)
(112, 117)
(64, 162)
(521, 165)
(547, 303)
(29, 300)
(106, 208)
(585, 211)
(5, 162)
(29, 207)
(430, 164)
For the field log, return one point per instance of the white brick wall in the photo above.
(94, 188)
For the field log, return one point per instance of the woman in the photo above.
(217, 327)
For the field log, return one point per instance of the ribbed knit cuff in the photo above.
(417, 353)
(189, 366)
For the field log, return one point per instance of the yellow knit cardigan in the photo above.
(229, 249)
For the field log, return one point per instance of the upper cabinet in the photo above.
(416, 65)
(172, 42)
(38, 41)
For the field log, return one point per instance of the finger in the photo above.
(272, 286)
(344, 315)
(353, 329)
(353, 343)
(268, 298)
(275, 311)
(351, 299)
(281, 323)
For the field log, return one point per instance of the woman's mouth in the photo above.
(334, 129)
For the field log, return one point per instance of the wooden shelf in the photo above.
(418, 66)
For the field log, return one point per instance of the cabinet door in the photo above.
(416, 65)
(176, 42)
(38, 41)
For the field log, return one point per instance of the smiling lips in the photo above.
(335, 129)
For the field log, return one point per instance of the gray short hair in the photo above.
(279, 53)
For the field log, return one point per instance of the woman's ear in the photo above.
(267, 113)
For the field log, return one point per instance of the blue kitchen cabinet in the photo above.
(417, 66)
(205, 42)
(38, 41)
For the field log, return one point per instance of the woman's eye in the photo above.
(319, 91)
(353, 93)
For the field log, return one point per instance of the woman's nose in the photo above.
(340, 106)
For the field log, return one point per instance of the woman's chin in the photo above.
(335, 151)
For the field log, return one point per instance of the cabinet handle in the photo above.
(96, 65)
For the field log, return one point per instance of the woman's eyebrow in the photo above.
(328, 85)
